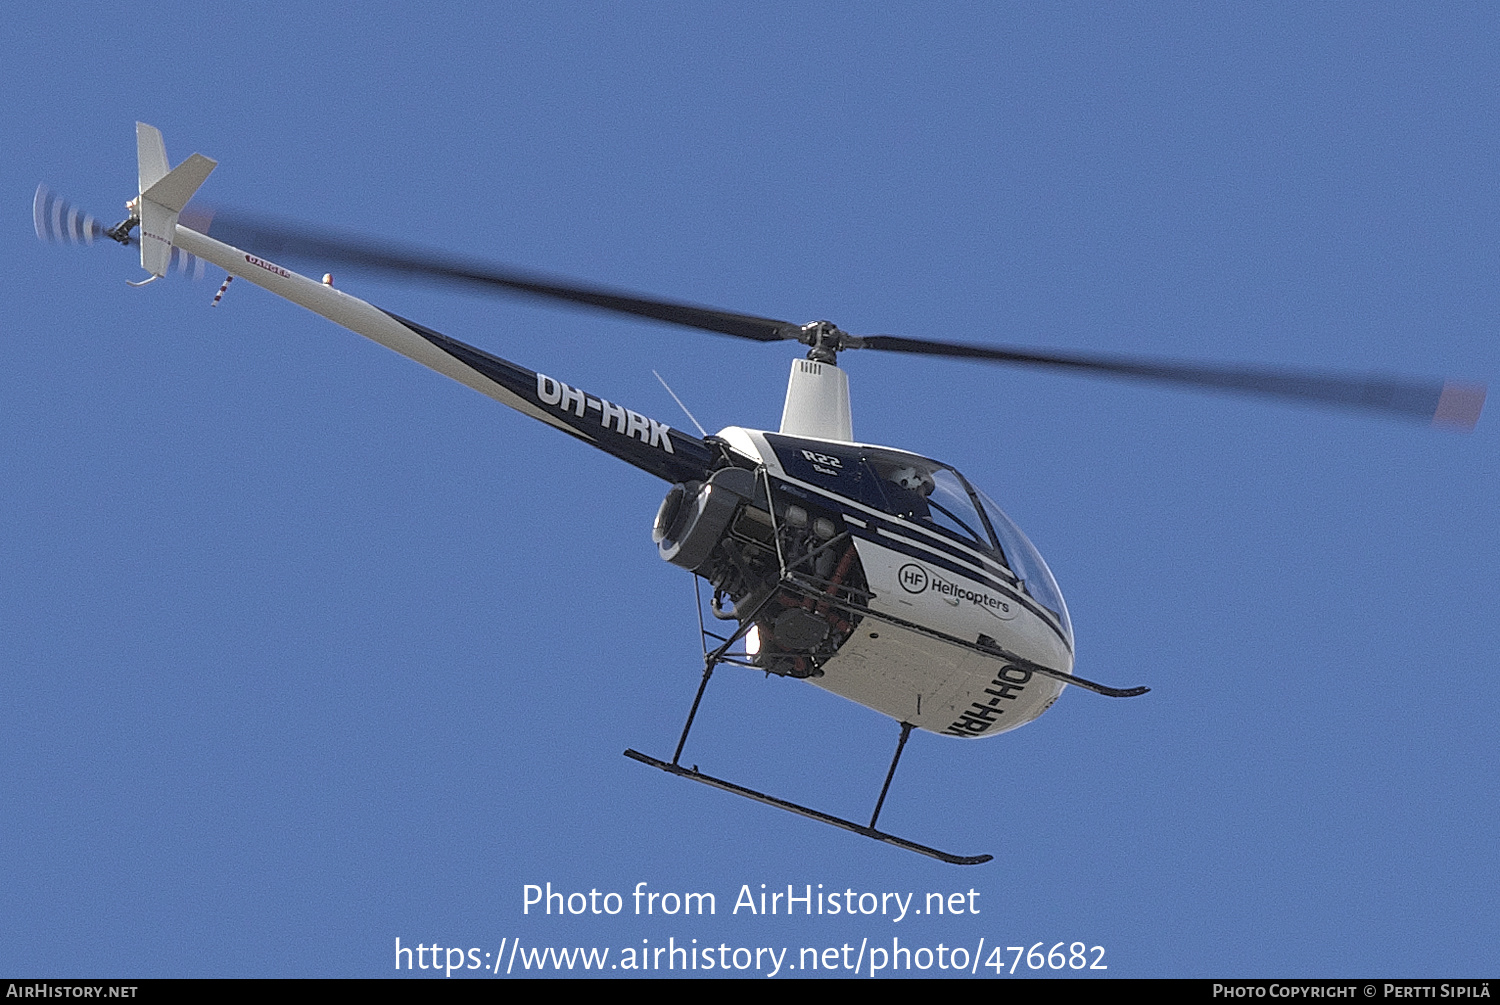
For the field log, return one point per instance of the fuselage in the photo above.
(935, 582)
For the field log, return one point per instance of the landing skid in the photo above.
(827, 818)
(673, 767)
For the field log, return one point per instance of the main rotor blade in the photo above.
(1450, 403)
(277, 239)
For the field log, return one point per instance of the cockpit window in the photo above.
(904, 485)
(926, 492)
(906, 489)
(953, 508)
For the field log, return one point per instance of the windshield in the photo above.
(1026, 562)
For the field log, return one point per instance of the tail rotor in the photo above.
(58, 221)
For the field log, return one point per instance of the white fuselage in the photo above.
(926, 579)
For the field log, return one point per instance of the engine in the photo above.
(795, 576)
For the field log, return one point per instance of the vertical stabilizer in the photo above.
(163, 194)
(151, 155)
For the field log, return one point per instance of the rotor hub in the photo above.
(827, 340)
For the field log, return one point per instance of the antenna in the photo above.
(701, 430)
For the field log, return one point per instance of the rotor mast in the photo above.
(817, 392)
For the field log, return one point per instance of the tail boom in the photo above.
(645, 443)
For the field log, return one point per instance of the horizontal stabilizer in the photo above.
(175, 189)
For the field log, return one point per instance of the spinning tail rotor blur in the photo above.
(58, 221)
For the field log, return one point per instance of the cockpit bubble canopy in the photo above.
(930, 493)
(924, 490)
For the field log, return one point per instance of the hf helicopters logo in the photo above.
(916, 579)
(913, 578)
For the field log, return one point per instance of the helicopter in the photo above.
(874, 573)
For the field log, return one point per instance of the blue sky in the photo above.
(306, 649)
